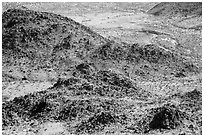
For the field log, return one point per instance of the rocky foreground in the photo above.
(60, 77)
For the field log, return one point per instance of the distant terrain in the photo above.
(102, 68)
(173, 9)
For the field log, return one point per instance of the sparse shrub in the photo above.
(165, 117)
(114, 79)
(87, 86)
(191, 67)
(21, 108)
(105, 51)
(168, 117)
(96, 123)
(84, 68)
(39, 107)
(71, 109)
(9, 118)
(67, 112)
(179, 75)
(65, 82)
(191, 101)
(194, 95)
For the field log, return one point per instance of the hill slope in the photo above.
(101, 87)
(172, 9)
(43, 40)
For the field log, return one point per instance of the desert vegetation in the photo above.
(62, 77)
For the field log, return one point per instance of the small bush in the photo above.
(65, 82)
(39, 107)
(167, 117)
(194, 95)
(96, 122)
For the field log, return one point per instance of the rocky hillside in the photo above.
(172, 9)
(43, 39)
(94, 85)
